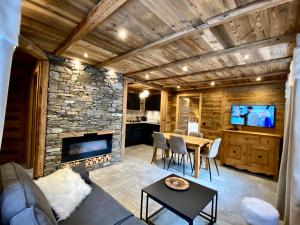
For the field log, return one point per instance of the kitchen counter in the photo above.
(143, 122)
(140, 132)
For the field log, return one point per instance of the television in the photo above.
(253, 115)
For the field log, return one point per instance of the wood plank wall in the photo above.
(216, 106)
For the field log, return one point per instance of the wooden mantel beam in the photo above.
(214, 21)
(285, 72)
(259, 44)
(261, 63)
(32, 49)
(98, 14)
(155, 86)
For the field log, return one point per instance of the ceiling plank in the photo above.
(98, 14)
(285, 72)
(32, 49)
(155, 86)
(234, 85)
(214, 21)
(261, 63)
(259, 44)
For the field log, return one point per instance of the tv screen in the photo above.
(253, 115)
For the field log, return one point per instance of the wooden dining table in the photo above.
(194, 143)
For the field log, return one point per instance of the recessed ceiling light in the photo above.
(185, 69)
(85, 55)
(247, 56)
(122, 33)
(212, 83)
(258, 79)
(147, 76)
(178, 86)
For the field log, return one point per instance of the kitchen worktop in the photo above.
(143, 122)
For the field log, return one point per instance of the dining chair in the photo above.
(160, 142)
(178, 146)
(211, 154)
(196, 134)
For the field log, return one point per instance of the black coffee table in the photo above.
(186, 204)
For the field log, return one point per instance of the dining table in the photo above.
(194, 143)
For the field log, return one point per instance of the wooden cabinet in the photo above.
(140, 133)
(153, 102)
(252, 151)
(133, 101)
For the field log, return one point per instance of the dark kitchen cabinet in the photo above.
(153, 102)
(133, 101)
(140, 133)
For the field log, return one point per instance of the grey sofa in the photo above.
(23, 203)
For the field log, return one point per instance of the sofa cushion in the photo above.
(26, 216)
(65, 190)
(19, 193)
(98, 208)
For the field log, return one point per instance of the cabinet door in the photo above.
(133, 101)
(234, 151)
(260, 159)
(153, 102)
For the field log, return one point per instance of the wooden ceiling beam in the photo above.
(98, 14)
(285, 72)
(261, 63)
(32, 49)
(214, 21)
(233, 85)
(259, 44)
(155, 86)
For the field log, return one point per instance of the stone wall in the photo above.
(81, 98)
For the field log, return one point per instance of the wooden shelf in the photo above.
(82, 133)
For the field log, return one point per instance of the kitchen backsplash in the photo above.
(152, 116)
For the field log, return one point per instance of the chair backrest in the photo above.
(177, 145)
(177, 131)
(214, 149)
(159, 141)
(196, 134)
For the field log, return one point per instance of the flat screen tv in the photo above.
(253, 115)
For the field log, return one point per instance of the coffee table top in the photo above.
(187, 204)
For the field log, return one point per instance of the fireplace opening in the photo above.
(76, 148)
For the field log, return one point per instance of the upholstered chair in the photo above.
(178, 146)
(160, 142)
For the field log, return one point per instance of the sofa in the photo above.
(23, 203)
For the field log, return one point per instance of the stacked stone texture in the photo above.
(81, 98)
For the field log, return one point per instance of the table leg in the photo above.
(141, 210)
(197, 164)
(147, 201)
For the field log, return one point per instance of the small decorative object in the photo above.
(177, 183)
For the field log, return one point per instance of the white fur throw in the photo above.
(259, 212)
(64, 189)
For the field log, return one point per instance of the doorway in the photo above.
(24, 130)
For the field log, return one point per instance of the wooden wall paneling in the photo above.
(171, 112)
(163, 111)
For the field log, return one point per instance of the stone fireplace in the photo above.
(83, 103)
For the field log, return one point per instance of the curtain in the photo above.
(10, 16)
(288, 194)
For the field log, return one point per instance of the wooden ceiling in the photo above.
(169, 43)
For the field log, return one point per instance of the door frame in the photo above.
(39, 125)
(178, 110)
